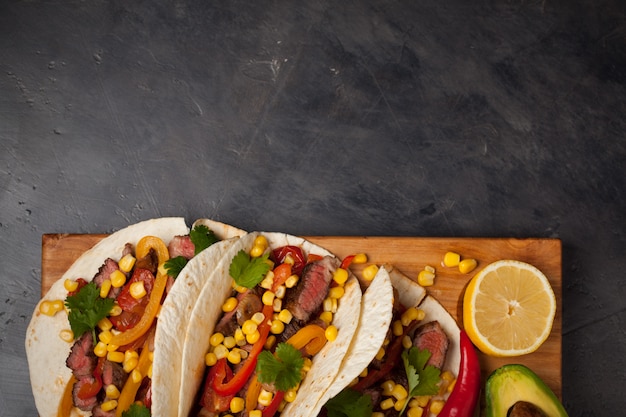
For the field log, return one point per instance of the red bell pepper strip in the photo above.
(210, 399)
(464, 397)
(347, 261)
(271, 409)
(234, 385)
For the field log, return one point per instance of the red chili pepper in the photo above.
(234, 385)
(464, 397)
(347, 261)
(271, 409)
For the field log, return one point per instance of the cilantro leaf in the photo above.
(87, 308)
(349, 403)
(136, 410)
(422, 379)
(173, 266)
(281, 369)
(246, 271)
(202, 237)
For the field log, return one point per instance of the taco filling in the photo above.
(277, 317)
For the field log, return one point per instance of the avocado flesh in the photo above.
(512, 383)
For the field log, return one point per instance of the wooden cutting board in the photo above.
(409, 255)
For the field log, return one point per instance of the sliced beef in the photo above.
(248, 303)
(104, 273)
(432, 337)
(99, 412)
(181, 246)
(128, 250)
(81, 360)
(85, 404)
(149, 262)
(307, 296)
(113, 373)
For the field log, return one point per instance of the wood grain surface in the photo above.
(409, 255)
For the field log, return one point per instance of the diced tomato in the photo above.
(81, 284)
(281, 273)
(88, 390)
(211, 400)
(313, 257)
(279, 255)
(129, 318)
(125, 299)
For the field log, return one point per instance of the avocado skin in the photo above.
(512, 383)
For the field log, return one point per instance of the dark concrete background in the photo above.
(421, 118)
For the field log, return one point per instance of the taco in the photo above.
(94, 330)
(418, 332)
(270, 329)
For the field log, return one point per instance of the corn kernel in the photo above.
(112, 392)
(127, 262)
(151, 356)
(364, 373)
(258, 318)
(386, 404)
(216, 339)
(108, 405)
(117, 357)
(436, 406)
(397, 328)
(230, 342)
(115, 311)
(117, 278)
(377, 414)
(277, 327)
(255, 413)
(70, 285)
(256, 251)
(407, 343)
(66, 335)
(268, 281)
(467, 265)
(336, 292)
(100, 349)
(451, 385)
(236, 405)
(130, 364)
(105, 287)
(239, 336)
(330, 304)
(425, 278)
(327, 317)
(290, 395)
(291, 281)
(234, 357)
(399, 405)
(136, 376)
(277, 305)
(261, 241)
(112, 348)
(447, 376)
(306, 366)
(130, 354)
(285, 316)
(149, 373)
(408, 316)
(252, 338)
(137, 290)
(210, 359)
(105, 336)
(369, 272)
(268, 298)
(331, 333)
(229, 305)
(265, 397)
(46, 308)
(422, 400)
(359, 258)
(387, 387)
(249, 327)
(399, 392)
(340, 276)
(105, 324)
(451, 259)
(243, 353)
(269, 343)
(281, 291)
(220, 351)
(289, 260)
(415, 411)
(380, 354)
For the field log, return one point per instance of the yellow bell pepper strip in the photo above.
(225, 388)
(311, 337)
(129, 391)
(66, 404)
(252, 395)
(152, 242)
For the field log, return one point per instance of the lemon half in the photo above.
(508, 308)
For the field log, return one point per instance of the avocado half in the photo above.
(512, 383)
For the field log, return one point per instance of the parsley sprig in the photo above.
(422, 379)
(202, 237)
(247, 271)
(87, 308)
(283, 369)
(350, 403)
(136, 410)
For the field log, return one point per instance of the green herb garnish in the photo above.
(281, 369)
(247, 271)
(136, 410)
(349, 403)
(202, 237)
(173, 266)
(87, 308)
(422, 379)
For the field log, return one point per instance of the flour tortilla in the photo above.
(207, 311)
(45, 351)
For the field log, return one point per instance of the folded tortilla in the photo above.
(46, 352)
(207, 311)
